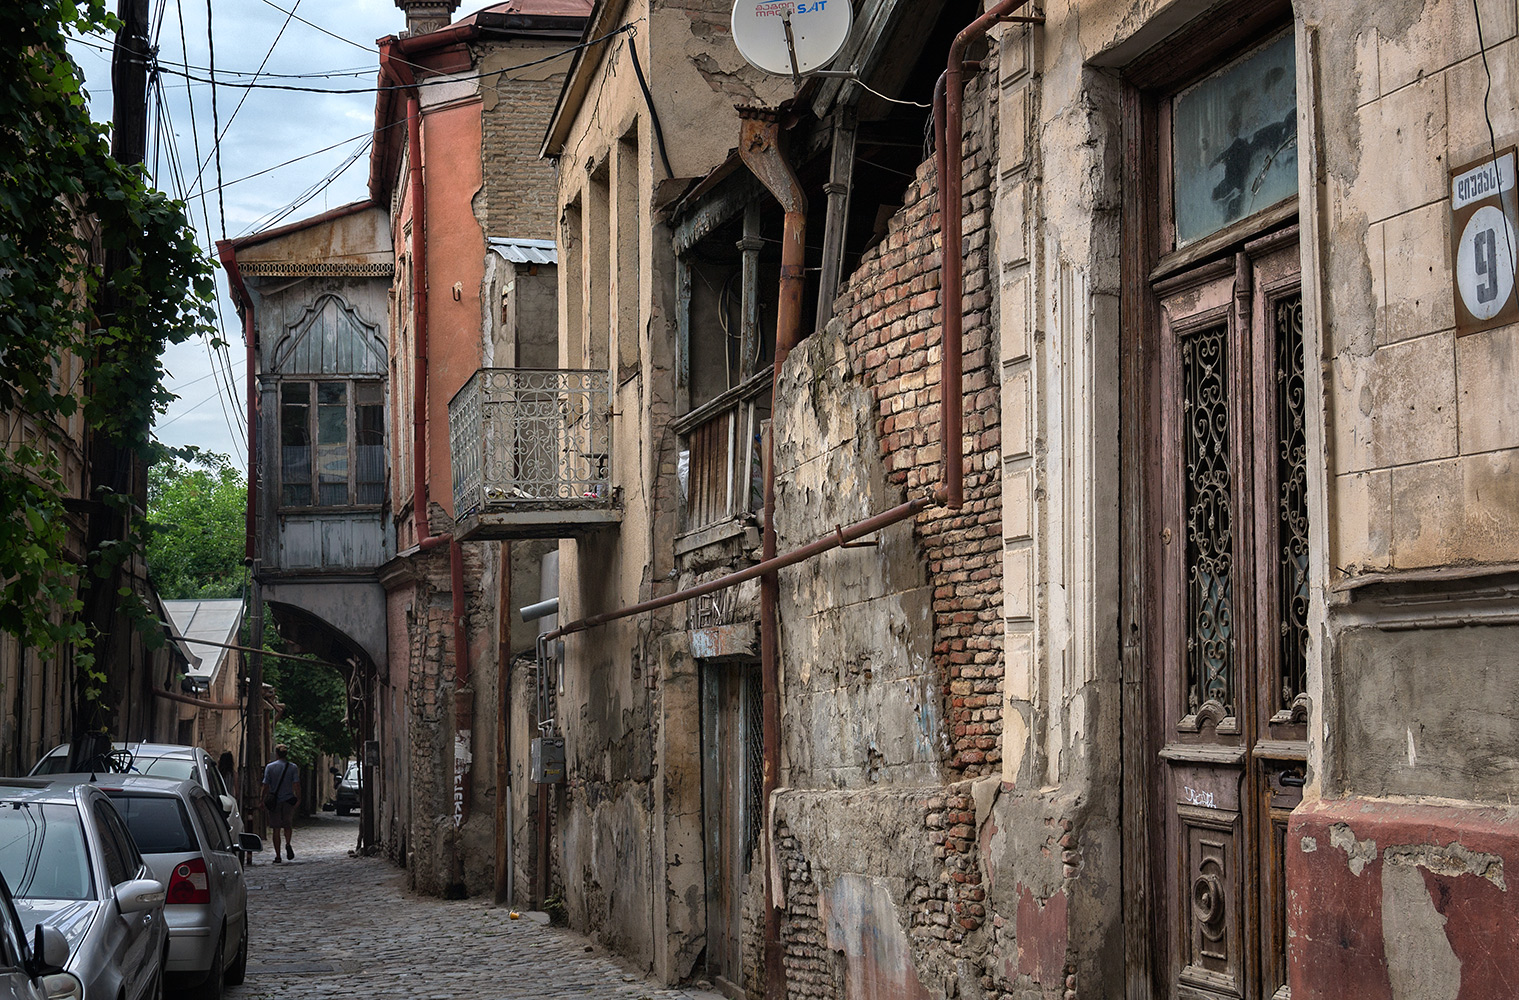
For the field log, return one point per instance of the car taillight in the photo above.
(188, 883)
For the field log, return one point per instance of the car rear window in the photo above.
(43, 853)
(52, 764)
(178, 768)
(158, 823)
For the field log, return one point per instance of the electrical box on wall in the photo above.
(548, 760)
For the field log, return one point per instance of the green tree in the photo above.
(66, 206)
(196, 511)
(315, 697)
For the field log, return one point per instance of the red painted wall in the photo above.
(451, 143)
(1407, 901)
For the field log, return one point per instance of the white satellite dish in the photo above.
(818, 30)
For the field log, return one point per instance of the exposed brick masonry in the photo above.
(894, 330)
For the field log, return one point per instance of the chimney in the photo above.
(423, 16)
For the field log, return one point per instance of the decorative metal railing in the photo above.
(531, 438)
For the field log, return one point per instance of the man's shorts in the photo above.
(282, 815)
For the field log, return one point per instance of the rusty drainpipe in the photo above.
(759, 147)
(951, 168)
(227, 250)
(400, 71)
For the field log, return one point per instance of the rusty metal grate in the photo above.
(754, 745)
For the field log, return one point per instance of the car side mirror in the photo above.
(63, 986)
(139, 894)
(228, 804)
(50, 949)
(250, 843)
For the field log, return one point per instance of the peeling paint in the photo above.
(1043, 934)
(1451, 860)
(1361, 852)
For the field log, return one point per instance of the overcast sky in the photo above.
(261, 129)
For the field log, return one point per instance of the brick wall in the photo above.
(891, 305)
(518, 195)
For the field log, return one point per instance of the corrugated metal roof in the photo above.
(526, 251)
(216, 620)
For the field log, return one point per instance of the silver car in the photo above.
(32, 970)
(187, 845)
(164, 760)
(73, 866)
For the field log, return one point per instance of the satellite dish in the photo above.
(818, 30)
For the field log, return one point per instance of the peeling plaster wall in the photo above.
(1415, 695)
(862, 689)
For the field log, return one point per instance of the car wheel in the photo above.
(211, 988)
(342, 810)
(238, 970)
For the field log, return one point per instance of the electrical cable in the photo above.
(894, 100)
(1492, 136)
(221, 203)
(648, 98)
(221, 132)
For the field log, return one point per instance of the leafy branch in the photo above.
(79, 347)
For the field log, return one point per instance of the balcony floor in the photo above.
(505, 525)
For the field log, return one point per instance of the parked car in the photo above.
(33, 970)
(346, 799)
(188, 846)
(74, 867)
(164, 760)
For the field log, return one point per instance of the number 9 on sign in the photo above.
(1485, 263)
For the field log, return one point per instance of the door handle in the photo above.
(1292, 779)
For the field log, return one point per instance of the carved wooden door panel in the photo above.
(1230, 599)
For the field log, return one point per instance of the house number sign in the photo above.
(1484, 245)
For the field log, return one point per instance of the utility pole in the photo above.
(129, 83)
(112, 468)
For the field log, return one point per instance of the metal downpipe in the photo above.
(951, 168)
(759, 147)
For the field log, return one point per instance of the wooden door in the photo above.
(732, 750)
(1227, 473)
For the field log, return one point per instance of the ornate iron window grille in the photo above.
(1291, 507)
(1209, 498)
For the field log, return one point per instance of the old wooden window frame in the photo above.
(351, 386)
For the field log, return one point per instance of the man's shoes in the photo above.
(276, 857)
(289, 852)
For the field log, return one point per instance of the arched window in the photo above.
(331, 368)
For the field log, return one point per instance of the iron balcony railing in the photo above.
(531, 439)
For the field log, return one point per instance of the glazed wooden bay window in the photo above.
(332, 443)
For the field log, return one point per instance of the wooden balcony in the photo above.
(531, 454)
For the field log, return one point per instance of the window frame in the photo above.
(351, 407)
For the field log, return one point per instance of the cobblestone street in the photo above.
(331, 925)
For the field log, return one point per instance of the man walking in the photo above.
(282, 787)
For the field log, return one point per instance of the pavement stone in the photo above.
(330, 925)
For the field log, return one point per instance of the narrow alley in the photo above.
(332, 925)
